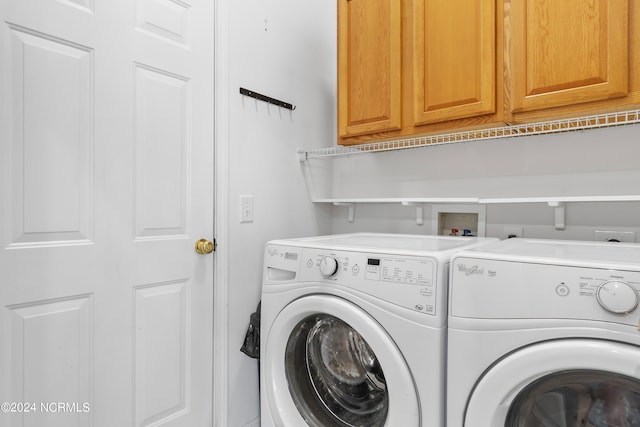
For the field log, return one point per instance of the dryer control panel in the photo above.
(407, 281)
(499, 289)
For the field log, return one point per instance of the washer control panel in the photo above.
(407, 281)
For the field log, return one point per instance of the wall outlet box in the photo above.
(614, 236)
(445, 219)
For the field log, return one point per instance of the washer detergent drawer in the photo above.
(281, 263)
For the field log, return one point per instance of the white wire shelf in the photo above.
(556, 202)
(408, 201)
(540, 128)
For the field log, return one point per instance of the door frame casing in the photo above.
(221, 221)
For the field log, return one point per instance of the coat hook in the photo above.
(267, 99)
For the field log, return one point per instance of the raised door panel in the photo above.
(162, 349)
(454, 65)
(566, 53)
(369, 67)
(50, 349)
(51, 139)
(162, 147)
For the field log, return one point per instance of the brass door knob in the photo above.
(203, 246)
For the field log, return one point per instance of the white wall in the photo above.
(535, 219)
(284, 49)
(602, 162)
(593, 162)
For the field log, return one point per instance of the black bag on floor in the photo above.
(251, 344)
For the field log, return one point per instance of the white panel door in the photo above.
(106, 182)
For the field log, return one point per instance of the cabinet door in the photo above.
(369, 66)
(454, 64)
(566, 52)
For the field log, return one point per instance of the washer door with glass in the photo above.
(329, 363)
(569, 383)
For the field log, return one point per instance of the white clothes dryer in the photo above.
(544, 333)
(353, 330)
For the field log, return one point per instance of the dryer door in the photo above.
(560, 384)
(328, 363)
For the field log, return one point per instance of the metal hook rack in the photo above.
(267, 99)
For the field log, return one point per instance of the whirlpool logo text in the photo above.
(474, 269)
(468, 271)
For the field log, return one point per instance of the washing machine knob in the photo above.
(617, 297)
(328, 266)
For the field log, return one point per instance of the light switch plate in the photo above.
(246, 208)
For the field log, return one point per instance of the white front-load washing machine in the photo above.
(353, 330)
(544, 333)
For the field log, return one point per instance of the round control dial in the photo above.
(617, 297)
(328, 266)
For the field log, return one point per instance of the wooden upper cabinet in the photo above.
(408, 67)
(565, 53)
(369, 66)
(454, 59)
(413, 67)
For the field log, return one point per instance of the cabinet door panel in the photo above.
(566, 52)
(369, 66)
(455, 61)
